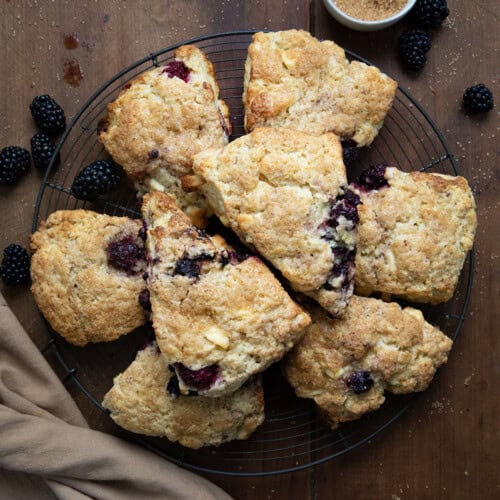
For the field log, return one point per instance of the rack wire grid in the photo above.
(292, 436)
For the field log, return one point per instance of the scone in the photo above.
(161, 119)
(293, 80)
(140, 402)
(345, 365)
(219, 317)
(87, 275)
(284, 193)
(415, 230)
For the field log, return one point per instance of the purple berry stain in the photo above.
(372, 178)
(191, 266)
(124, 253)
(359, 381)
(344, 205)
(201, 379)
(177, 69)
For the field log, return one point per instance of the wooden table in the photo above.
(447, 445)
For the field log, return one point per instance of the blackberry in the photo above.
(372, 178)
(14, 162)
(414, 40)
(200, 379)
(350, 152)
(97, 178)
(430, 13)
(178, 69)
(15, 268)
(42, 150)
(359, 381)
(413, 59)
(126, 253)
(478, 98)
(48, 115)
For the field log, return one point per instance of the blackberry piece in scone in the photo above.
(219, 317)
(161, 119)
(415, 230)
(143, 400)
(284, 193)
(293, 80)
(87, 274)
(345, 365)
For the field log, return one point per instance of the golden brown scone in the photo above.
(293, 80)
(414, 233)
(161, 119)
(219, 317)
(140, 402)
(346, 364)
(284, 193)
(87, 275)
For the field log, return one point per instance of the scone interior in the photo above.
(219, 317)
(345, 365)
(284, 193)
(86, 273)
(161, 119)
(139, 402)
(293, 80)
(414, 233)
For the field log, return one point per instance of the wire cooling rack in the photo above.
(292, 437)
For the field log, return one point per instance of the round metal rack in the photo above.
(292, 437)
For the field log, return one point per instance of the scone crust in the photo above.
(293, 80)
(235, 316)
(158, 123)
(414, 236)
(274, 187)
(397, 347)
(139, 402)
(83, 298)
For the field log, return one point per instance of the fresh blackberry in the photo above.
(430, 13)
(42, 150)
(14, 162)
(15, 268)
(48, 115)
(414, 40)
(478, 98)
(413, 59)
(97, 178)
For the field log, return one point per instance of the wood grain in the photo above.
(448, 445)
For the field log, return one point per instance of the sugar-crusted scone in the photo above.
(346, 364)
(284, 193)
(161, 119)
(414, 233)
(218, 317)
(293, 80)
(140, 402)
(87, 275)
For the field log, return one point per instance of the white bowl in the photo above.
(359, 24)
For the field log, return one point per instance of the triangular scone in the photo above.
(87, 272)
(293, 80)
(218, 317)
(284, 193)
(161, 119)
(345, 365)
(142, 401)
(414, 233)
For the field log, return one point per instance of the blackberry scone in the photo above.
(144, 400)
(345, 365)
(414, 233)
(219, 317)
(87, 274)
(161, 119)
(293, 80)
(284, 193)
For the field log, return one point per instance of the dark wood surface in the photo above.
(448, 444)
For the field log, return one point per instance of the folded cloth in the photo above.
(46, 444)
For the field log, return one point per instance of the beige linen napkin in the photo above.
(47, 449)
